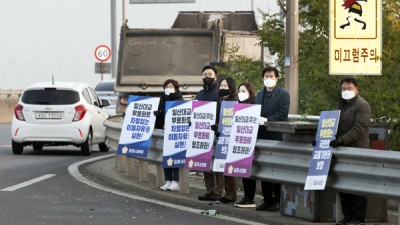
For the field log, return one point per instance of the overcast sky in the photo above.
(44, 37)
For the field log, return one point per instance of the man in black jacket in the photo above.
(353, 131)
(214, 182)
(275, 104)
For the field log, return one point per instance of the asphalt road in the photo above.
(36, 188)
(58, 198)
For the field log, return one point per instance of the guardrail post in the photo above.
(160, 175)
(130, 166)
(338, 207)
(398, 212)
(143, 171)
(184, 181)
(121, 163)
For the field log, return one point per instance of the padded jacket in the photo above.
(354, 122)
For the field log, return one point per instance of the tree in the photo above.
(241, 68)
(317, 90)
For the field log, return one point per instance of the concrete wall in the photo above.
(8, 100)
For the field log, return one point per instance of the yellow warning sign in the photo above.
(355, 37)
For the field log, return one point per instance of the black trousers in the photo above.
(270, 191)
(354, 206)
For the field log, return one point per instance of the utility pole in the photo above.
(114, 55)
(292, 54)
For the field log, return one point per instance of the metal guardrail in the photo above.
(303, 117)
(155, 154)
(8, 100)
(126, 164)
(355, 170)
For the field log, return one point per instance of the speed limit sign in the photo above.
(102, 53)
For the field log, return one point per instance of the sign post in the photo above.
(102, 53)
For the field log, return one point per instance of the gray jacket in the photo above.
(354, 122)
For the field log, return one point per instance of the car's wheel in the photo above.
(17, 148)
(37, 147)
(86, 147)
(103, 147)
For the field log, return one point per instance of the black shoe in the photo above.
(268, 207)
(224, 200)
(344, 221)
(263, 207)
(206, 197)
(245, 203)
(355, 221)
(215, 197)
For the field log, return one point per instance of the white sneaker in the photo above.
(166, 185)
(174, 186)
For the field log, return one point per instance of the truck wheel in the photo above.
(17, 148)
(86, 147)
(103, 147)
(37, 147)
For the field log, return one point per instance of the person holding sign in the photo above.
(171, 93)
(227, 92)
(275, 104)
(353, 131)
(246, 93)
(214, 182)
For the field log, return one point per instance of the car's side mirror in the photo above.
(105, 102)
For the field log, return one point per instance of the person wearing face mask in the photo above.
(246, 93)
(227, 89)
(353, 131)
(214, 182)
(227, 92)
(171, 93)
(275, 104)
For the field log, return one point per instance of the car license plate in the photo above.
(48, 115)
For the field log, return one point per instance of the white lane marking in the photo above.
(27, 183)
(73, 170)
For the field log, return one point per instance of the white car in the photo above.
(59, 113)
(105, 90)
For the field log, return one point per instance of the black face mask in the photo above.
(208, 81)
(223, 92)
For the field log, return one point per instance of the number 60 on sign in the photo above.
(102, 53)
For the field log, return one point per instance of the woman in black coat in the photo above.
(227, 92)
(171, 93)
(246, 93)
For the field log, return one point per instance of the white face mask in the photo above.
(168, 91)
(243, 96)
(269, 83)
(347, 95)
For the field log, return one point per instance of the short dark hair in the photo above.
(250, 89)
(349, 80)
(211, 68)
(173, 82)
(269, 69)
(231, 84)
